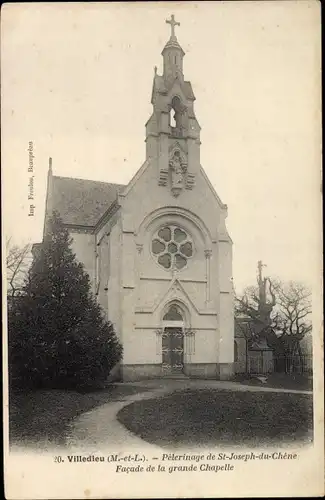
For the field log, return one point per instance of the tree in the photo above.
(58, 336)
(257, 306)
(17, 263)
(294, 304)
(277, 314)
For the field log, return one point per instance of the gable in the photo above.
(174, 291)
(201, 202)
(159, 87)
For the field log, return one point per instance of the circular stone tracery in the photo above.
(172, 247)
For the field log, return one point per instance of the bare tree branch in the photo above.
(17, 263)
(294, 301)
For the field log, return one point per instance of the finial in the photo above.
(172, 23)
(50, 164)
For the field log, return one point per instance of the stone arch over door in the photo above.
(175, 308)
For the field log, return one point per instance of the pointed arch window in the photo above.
(176, 114)
(172, 118)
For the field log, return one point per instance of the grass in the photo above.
(223, 418)
(41, 417)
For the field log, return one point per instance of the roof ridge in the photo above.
(88, 180)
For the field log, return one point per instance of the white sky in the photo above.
(77, 79)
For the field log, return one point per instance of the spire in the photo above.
(50, 165)
(173, 53)
(173, 42)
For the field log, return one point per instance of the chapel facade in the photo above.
(157, 249)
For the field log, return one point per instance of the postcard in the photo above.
(161, 201)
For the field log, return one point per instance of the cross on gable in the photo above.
(172, 23)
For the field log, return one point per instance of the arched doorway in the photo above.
(173, 340)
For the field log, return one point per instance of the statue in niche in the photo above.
(178, 167)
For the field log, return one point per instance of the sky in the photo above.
(77, 79)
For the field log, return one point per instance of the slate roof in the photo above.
(80, 201)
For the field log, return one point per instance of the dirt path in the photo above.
(99, 430)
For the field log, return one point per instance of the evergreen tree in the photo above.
(58, 336)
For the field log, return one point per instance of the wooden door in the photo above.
(173, 350)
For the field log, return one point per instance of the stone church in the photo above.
(157, 249)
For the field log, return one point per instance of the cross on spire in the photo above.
(172, 23)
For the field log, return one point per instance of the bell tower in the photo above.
(172, 131)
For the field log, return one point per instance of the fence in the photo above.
(294, 364)
(263, 363)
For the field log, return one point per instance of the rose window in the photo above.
(172, 247)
